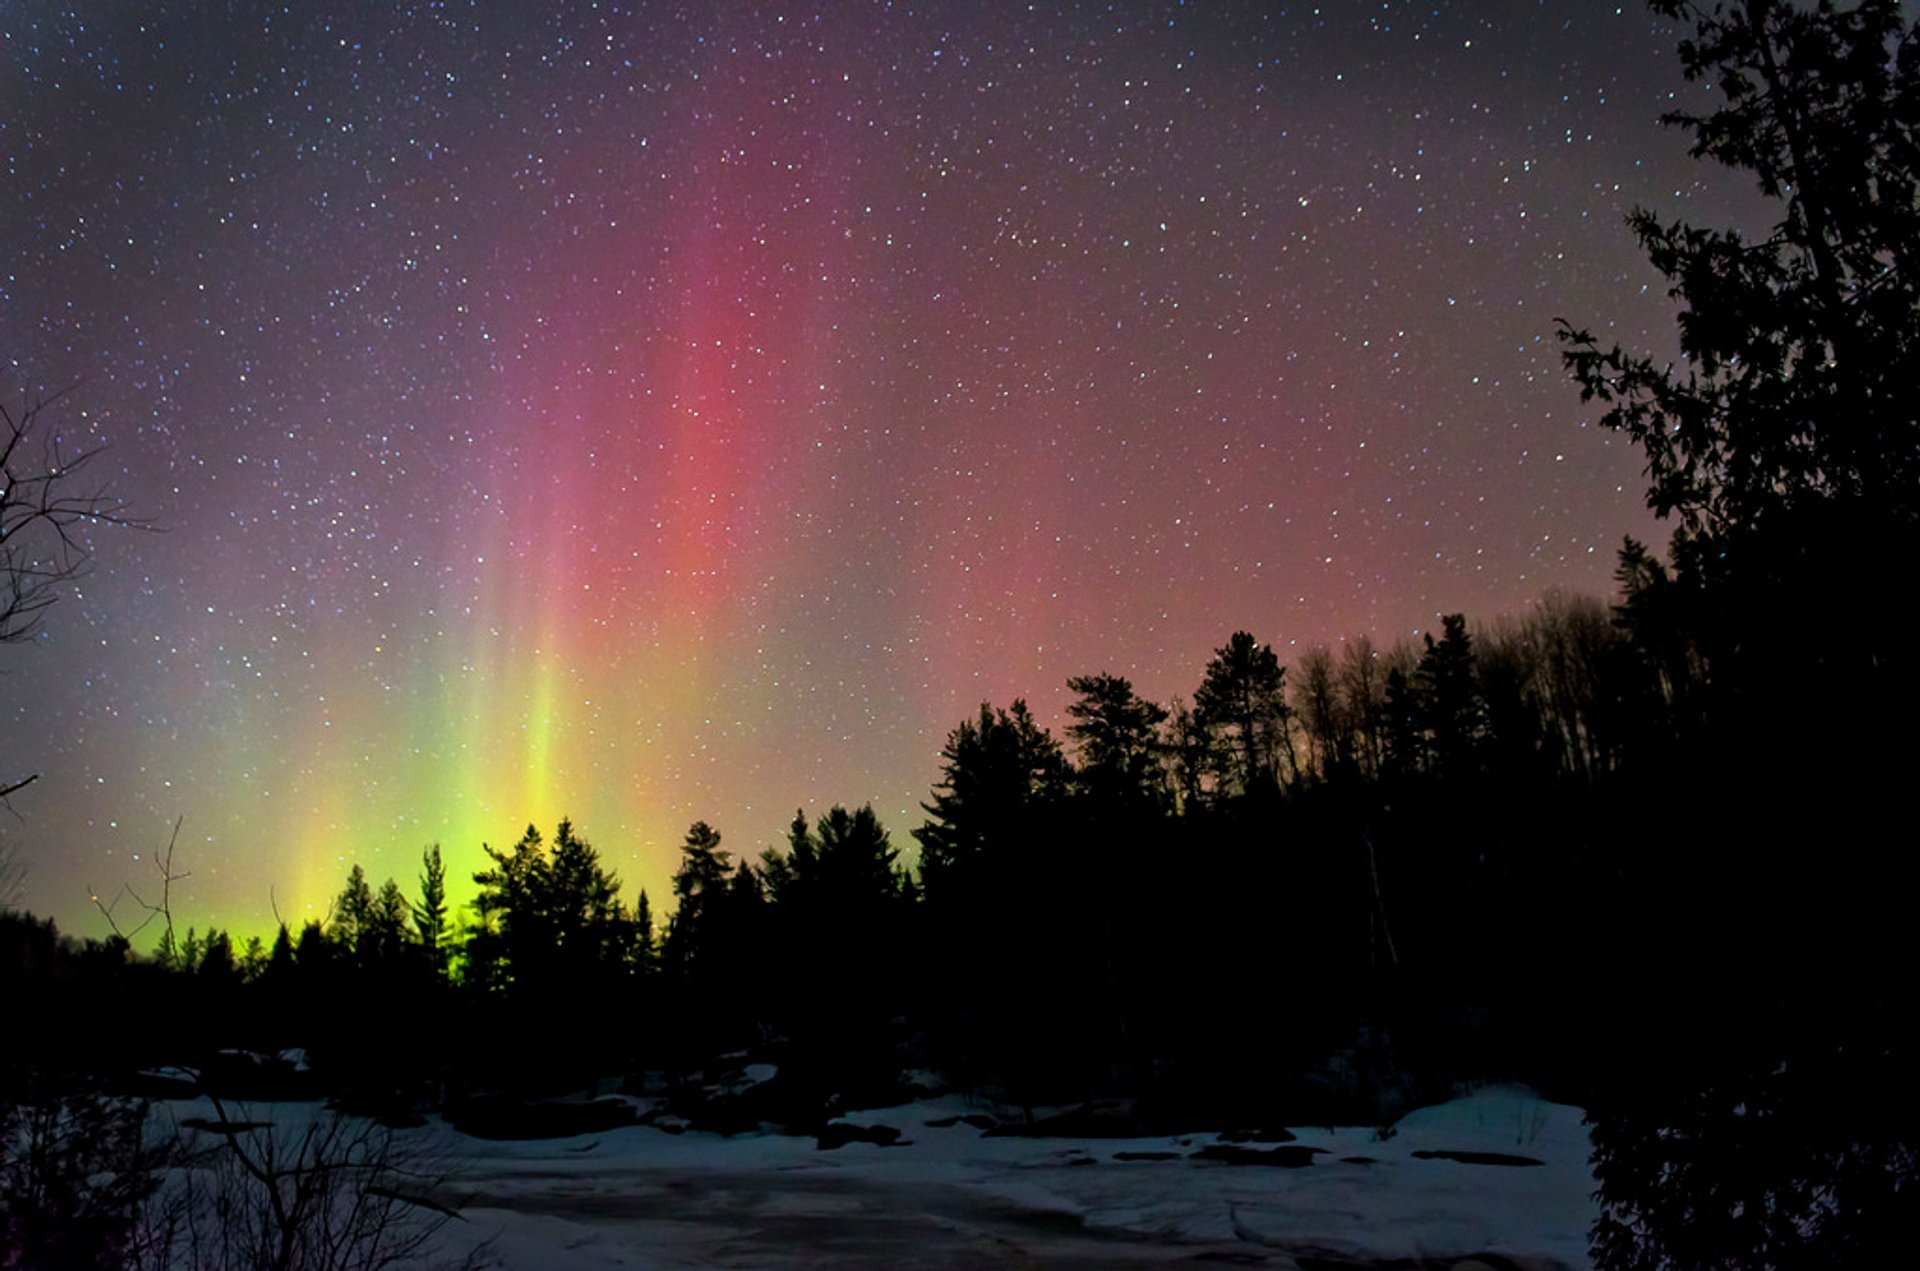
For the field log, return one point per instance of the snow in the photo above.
(640, 1198)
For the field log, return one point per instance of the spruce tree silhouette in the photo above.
(1777, 1131)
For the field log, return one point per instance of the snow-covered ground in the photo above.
(638, 1197)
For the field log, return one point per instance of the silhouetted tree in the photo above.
(558, 914)
(1193, 755)
(1786, 442)
(389, 927)
(853, 864)
(280, 962)
(1796, 385)
(353, 911)
(430, 914)
(645, 949)
(47, 495)
(995, 773)
(699, 888)
(1363, 687)
(1117, 733)
(1406, 742)
(1319, 706)
(1453, 713)
(216, 958)
(589, 927)
(1243, 697)
(1581, 682)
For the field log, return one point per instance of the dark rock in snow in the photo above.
(498, 1117)
(837, 1134)
(741, 1100)
(226, 1129)
(1146, 1156)
(1284, 1157)
(1101, 1119)
(978, 1120)
(1477, 1158)
(1257, 1136)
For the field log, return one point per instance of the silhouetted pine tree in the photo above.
(996, 774)
(1786, 442)
(1117, 734)
(1243, 698)
(1453, 714)
(430, 914)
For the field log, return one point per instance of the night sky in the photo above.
(650, 415)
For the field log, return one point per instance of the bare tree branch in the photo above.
(48, 501)
(162, 910)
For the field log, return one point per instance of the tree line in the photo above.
(1343, 844)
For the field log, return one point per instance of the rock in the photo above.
(499, 1117)
(1290, 1157)
(225, 1129)
(837, 1134)
(1146, 1156)
(742, 1100)
(1257, 1136)
(978, 1120)
(1101, 1119)
(1477, 1158)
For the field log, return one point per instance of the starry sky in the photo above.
(661, 412)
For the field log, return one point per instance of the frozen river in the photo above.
(949, 1197)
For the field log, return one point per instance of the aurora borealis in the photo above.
(650, 413)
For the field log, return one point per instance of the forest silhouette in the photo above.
(1643, 854)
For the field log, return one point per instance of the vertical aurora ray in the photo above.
(618, 540)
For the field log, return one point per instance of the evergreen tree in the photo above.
(1786, 443)
(1453, 712)
(1243, 697)
(549, 921)
(216, 958)
(1406, 743)
(997, 772)
(583, 907)
(353, 911)
(698, 887)
(314, 954)
(1117, 733)
(280, 961)
(645, 950)
(515, 936)
(854, 865)
(1796, 385)
(389, 925)
(430, 915)
(253, 959)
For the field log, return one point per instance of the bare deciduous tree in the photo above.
(335, 1193)
(48, 500)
